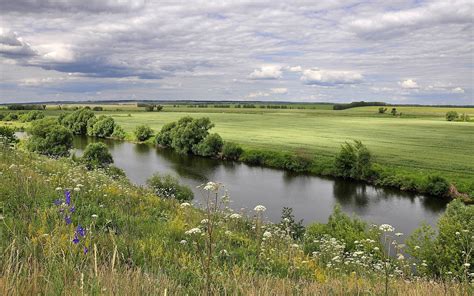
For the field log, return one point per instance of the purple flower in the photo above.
(68, 197)
(58, 202)
(72, 209)
(75, 240)
(86, 250)
(68, 220)
(80, 231)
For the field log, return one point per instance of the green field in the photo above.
(420, 141)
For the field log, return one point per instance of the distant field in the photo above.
(420, 140)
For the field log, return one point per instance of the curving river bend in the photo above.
(312, 198)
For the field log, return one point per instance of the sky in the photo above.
(300, 50)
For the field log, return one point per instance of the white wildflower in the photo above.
(295, 246)
(400, 257)
(260, 208)
(185, 204)
(467, 264)
(399, 234)
(235, 216)
(417, 247)
(193, 231)
(376, 248)
(267, 234)
(228, 232)
(77, 189)
(386, 228)
(94, 216)
(211, 186)
(183, 242)
(204, 221)
(224, 253)
(58, 189)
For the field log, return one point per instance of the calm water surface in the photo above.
(312, 198)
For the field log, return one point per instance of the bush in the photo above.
(118, 133)
(231, 151)
(165, 137)
(32, 115)
(102, 128)
(2, 116)
(353, 161)
(437, 186)
(448, 251)
(98, 108)
(189, 132)
(97, 155)
(143, 133)
(48, 137)
(382, 110)
(11, 117)
(451, 115)
(210, 146)
(78, 121)
(288, 222)
(167, 186)
(7, 136)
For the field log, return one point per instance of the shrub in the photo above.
(449, 250)
(164, 137)
(353, 161)
(210, 146)
(97, 155)
(159, 108)
(451, 115)
(7, 136)
(437, 186)
(11, 117)
(32, 115)
(231, 151)
(118, 133)
(394, 111)
(382, 110)
(2, 116)
(143, 133)
(102, 128)
(48, 137)
(464, 117)
(288, 223)
(98, 108)
(167, 186)
(78, 121)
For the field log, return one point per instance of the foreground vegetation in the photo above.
(66, 229)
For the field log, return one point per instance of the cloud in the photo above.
(257, 94)
(404, 21)
(71, 5)
(279, 90)
(409, 84)
(11, 45)
(266, 72)
(295, 69)
(328, 77)
(457, 90)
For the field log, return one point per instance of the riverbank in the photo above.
(145, 244)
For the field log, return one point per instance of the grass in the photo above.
(135, 244)
(420, 142)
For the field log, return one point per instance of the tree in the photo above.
(7, 136)
(143, 133)
(165, 137)
(353, 161)
(452, 115)
(78, 121)
(97, 155)
(231, 151)
(210, 146)
(149, 107)
(190, 132)
(11, 117)
(382, 110)
(102, 128)
(118, 133)
(159, 108)
(32, 116)
(394, 111)
(167, 186)
(98, 108)
(50, 138)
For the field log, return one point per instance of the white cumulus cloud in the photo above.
(409, 84)
(279, 90)
(329, 77)
(266, 72)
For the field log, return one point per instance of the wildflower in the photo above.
(467, 264)
(12, 166)
(77, 189)
(267, 234)
(183, 242)
(86, 250)
(72, 209)
(398, 234)
(228, 232)
(211, 186)
(58, 202)
(1, 217)
(295, 246)
(76, 239)
(94, 216)
(417, 247)
(458, 233)
(424, 264)
(185, 204)
(224, 252)
(204, 221)
(286, 220)
(335, 258)
(400, 257)
(235, 216)
(376, 248)
(68, 220)
(386, 228)
(81, 231)
(260, 208)
(58, 189)
(68, 197)
(193, 231)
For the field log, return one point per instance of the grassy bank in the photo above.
(138, 243)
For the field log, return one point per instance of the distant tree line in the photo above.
(26, 107)
(357, 104)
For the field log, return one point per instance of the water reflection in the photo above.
(312, 198)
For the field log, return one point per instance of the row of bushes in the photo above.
(454, 116)
(23, 117)
(356, 104)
